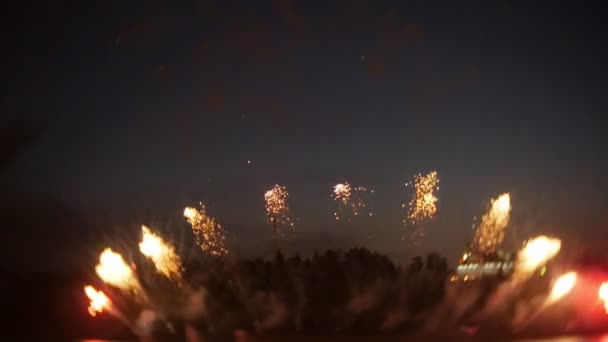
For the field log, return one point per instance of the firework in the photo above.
(99, 300)
(603, 295)
(423, 205)
(162, 254)
(277, 210)
(342, 192)
(536, 253)
(562, 286)
(208, 233)
(491, 231)
(114, 271)
(350, 200)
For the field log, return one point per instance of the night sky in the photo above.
(123, 112)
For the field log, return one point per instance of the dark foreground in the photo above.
(41, 308)
(406, 337)
(591, 338)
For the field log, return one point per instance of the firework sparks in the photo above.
(114, 271)
(99, 300)
(562, 286)
(536, 253)
(162, 254)
(350, 200)
(491, 231)
(342, 192)
(208, 233)
(603, 295)
(277, 210)
(423, 205)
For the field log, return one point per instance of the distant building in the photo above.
(474, 266)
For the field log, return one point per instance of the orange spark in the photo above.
(114, 271)
(277, 210)
(99, 300)
(491, 231)
(562, 286)
(350, 200)
(536, 253)
(162, 254)
(423, 204)
(208, 232)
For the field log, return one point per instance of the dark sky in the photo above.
(122, 112)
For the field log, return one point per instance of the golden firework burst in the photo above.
(114, 271)
(166, 260)
(422, 206)
(491, 231)
(209, 234)
(350, 200)
(277, 210)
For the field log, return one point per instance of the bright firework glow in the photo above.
(562, 286)
(162, 254)
(277, 210)
(423, 204)
(491, 231)
(114, 271)
(99, 300)
(208, 233)
(342, 192)
(536, 253)
(603, 295)
(350, 200)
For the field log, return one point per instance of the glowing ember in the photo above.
(277, 210)
(423, 204)
(491, 231)
(603, 295)
(535, 254)
(208, 233)
(350, 200)
(162, 254)
(562, 286)
(99, 300)
(465, 257)
(114, 271)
